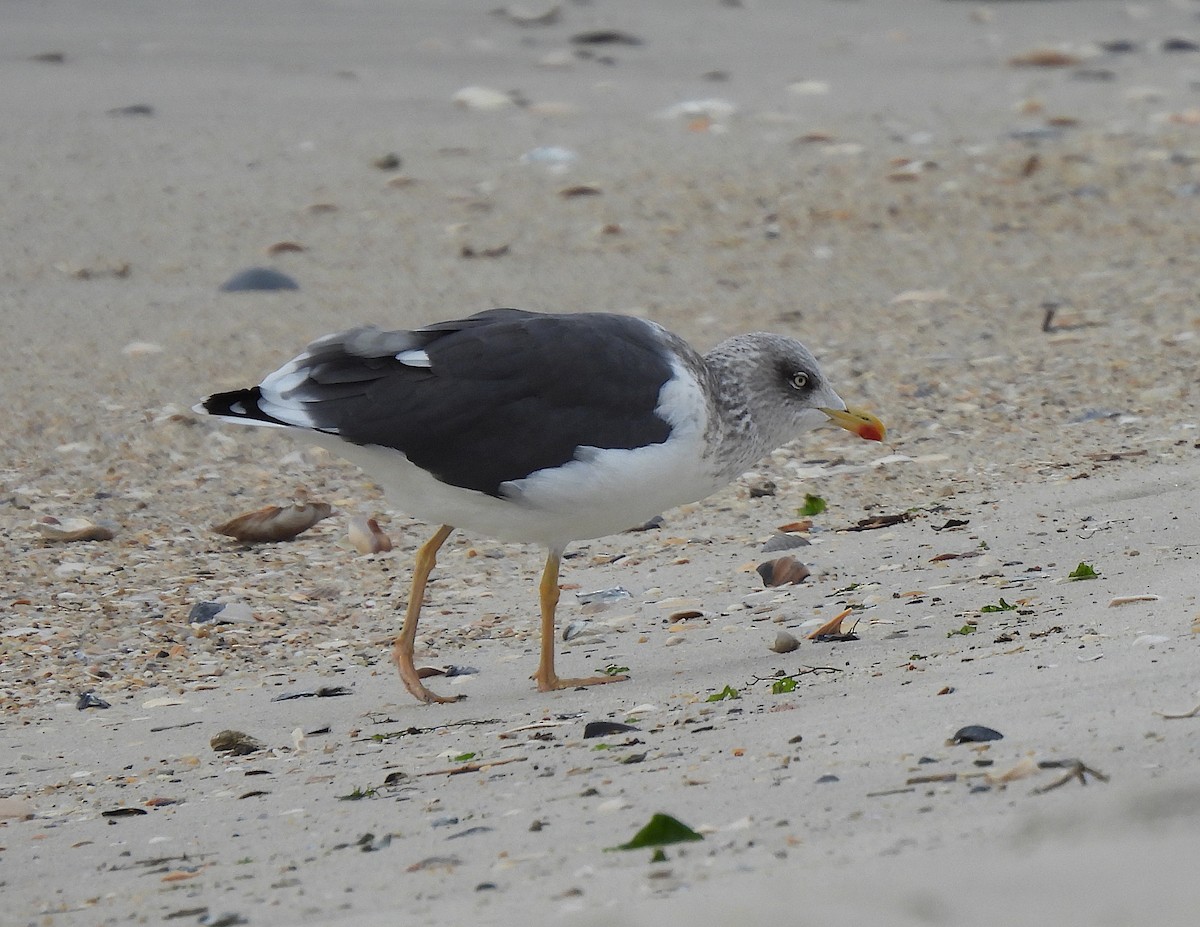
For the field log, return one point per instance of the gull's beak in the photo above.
(861, 423)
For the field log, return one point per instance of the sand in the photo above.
(998, 260)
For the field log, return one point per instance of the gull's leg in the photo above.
(547, 679)
(402, 649)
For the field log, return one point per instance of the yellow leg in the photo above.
(547, 679)
(402, 649)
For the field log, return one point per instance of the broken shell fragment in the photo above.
(783, 571)
(275, 523)
(1131, 599)
(285, 247)
(71, 529)
(367, 537)
(236, 743)
(832, 627)
(1044, 58)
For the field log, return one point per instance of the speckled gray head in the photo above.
(771, 390)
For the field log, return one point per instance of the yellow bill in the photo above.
(858, 421)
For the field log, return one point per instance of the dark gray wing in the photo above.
(484, 400)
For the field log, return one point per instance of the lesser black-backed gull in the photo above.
(542, 428)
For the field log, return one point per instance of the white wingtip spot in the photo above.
(414, 357)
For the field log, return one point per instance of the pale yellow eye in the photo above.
(799, 380)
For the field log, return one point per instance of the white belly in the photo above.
(605, 492)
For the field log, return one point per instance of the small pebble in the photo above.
(784, 643)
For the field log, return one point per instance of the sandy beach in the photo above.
(980, 216)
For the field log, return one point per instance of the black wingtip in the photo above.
(236, 404)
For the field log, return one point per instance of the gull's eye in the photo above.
(798, 380)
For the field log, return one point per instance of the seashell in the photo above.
(605, 729)
(1023, 770)
(808, 88)
(554, 157)
(580, 189)
(1131, 599)
(784, 571)
(1044, 58)
(367, 537)
(482, 99)
(90, 700)
(141, 348)
(605, 596)
(605, 37)
(236, 743)
(714, 109)
(258, 278)
(782, 541)
(832, 627)
(687, 614)
(762, 488)
(784, 643)
(71, 529)
(220, 613)
(275, 523)
(974, 734)
(285, 247)
(544, 15)
(652, 524)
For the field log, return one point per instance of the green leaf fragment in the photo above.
(658, 856)
(613, 670)
(727, 692)
(1083, 571)
(464, 758)
(359, 793)
(813, 505)
(780, 686)
(964, 630)
(662, 830)
(1002, 607)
